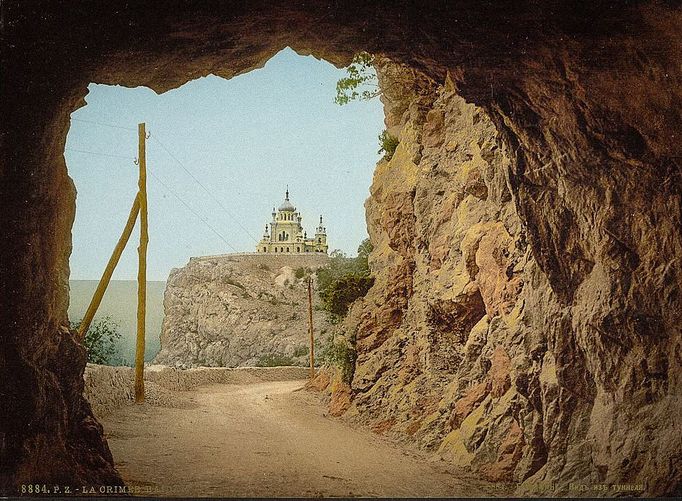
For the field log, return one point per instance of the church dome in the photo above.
(287, 205)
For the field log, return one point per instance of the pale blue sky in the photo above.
(244, 139)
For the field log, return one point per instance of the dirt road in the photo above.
(266, 439)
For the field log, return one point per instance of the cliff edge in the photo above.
(240, 310)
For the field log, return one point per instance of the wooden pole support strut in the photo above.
(142, 268)
(109, 270)
(310, 328)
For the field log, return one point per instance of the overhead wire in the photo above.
(112, 126)
(215, 199)
(99, 154)
(168, 189)
(201, 218)
(227, 211)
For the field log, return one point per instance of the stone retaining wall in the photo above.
(108, 388)
(272, 260)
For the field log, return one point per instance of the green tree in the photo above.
(102, 342)
(344, 291)
(360, 81)
(345, 280)
(364, 250)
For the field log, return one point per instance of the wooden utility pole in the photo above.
(109, 270)
(142, 266)
(310, 327)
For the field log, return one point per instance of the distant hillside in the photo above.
(120, 302)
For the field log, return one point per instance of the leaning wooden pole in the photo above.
(310, 327)
(109, 270)
(142, 268)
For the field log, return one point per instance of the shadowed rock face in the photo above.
(487, 360)
(580, 199)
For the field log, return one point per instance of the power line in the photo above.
(102, 124)
(232, 216)
(100, 154)
(201, 218)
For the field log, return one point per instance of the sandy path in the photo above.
(266, 439)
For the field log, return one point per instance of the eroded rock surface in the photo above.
(586, 99)
(231, 311)
(551, 362)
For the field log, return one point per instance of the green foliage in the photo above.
(364, 249)
(388, 145)
(300, 351)
(274, 360)
(340, 353)
(101, 342)
(300, 272)
(344, 290)
(344, 280)
(360, 81)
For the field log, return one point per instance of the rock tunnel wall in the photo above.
(585, 250)
(471, 346)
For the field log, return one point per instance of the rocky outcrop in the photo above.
(586, 101)
(536, 364)
(232, 310)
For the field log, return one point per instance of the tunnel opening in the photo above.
(592, 176)
(220, 155)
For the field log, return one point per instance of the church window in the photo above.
(298, 249)
(287, 249)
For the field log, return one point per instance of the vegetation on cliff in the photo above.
(344, 280)
(361, 83)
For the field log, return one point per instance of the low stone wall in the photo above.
(108, 388)
(273, 261)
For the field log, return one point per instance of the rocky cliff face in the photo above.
(230, 311)
(546, 363)
(586, 99)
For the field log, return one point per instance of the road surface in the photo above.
(267, 439)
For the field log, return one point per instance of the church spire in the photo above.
(287, 194)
